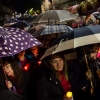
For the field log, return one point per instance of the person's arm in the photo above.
(42, 91)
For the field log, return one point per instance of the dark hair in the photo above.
(87, 7)
(15, 67)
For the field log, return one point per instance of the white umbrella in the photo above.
(55, 17)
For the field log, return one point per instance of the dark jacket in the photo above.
(49, 87)
(78, 80)
(33, 71)
(9, 95)
(22, 88)
(94, 66)
(2, 85)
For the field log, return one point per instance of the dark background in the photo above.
(22, 5)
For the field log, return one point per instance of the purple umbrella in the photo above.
(15, 40)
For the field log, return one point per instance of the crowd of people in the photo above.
(54, 77)
(25, 76)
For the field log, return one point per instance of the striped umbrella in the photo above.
(78, 37)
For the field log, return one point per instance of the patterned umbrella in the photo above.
(48, 33)
(15, 40)
(50, 29)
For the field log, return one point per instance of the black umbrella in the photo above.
(20, 25)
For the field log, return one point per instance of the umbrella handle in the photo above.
(91, 83)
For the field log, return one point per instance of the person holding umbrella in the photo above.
(53, 83)
(16, 79)
(94, 73)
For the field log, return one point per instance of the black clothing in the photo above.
(94, 66)
(49, 87)
(22, 87)
(78, 80)
(2, 85)
(9, 95)
(33, 71)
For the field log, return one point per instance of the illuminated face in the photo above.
(8, 69)
(34, 50)
(21, 55)
(57, 64)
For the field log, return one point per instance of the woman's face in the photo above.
(8, 69)
(57, 64)
(21, 55)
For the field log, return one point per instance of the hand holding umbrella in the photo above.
(8, 84)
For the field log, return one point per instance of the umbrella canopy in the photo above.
(19, 24)
(46, 34)
(36, 20)
(78, 37)
(15, 40)
(50, 29)
(55, 16)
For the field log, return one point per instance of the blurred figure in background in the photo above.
(35, 54)
(77, 74)
(29, 64)
(94, 62)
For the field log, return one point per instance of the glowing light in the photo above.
(69, 94)
(39, 62)
(26, 67)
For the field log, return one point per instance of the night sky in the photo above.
(22, 5)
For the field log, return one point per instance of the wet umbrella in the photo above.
(50, 29)
(15, 40)
(55, 17)
(76, 38)
(36, 20)
(20, 24)
(47, 33)
(79, 37)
